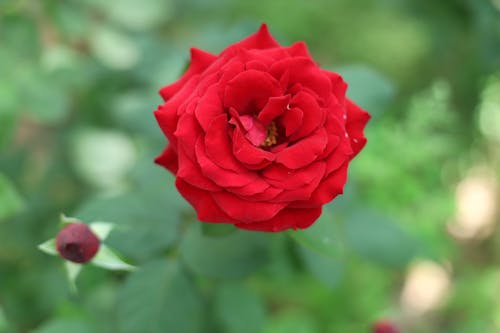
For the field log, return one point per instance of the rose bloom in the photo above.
(259, 136)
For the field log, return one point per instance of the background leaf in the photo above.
(238, 309)
(173, 304)
(225, 257)
(380, 240)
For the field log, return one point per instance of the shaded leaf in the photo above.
(159, 298)
(10, 201)
(368, 88)
(325, 269)
(232, 256)
(238, 310)
(323, 236)
(380, 240)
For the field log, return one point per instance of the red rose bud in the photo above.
(77, 243)
(384, 326)
(259, 136)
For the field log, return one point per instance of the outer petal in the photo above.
(286, 219)
(168, 159)
(200, 60)
(206, 208)
(246, 211)
(327, 190)
(262, 39)
(356, 122)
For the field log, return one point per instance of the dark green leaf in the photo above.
(232, 256)
(238, 310)
(159, 298)
(10, 201)
(380, 240)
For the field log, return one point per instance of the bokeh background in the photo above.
(414, 240)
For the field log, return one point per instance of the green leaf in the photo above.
(159, 298)
(65, 325)
(380, 240)
(327, 270)
(10, 201)
(368, 88)
(323, 237)
(292, 322)
(49, 247)
(72, 272)
(107, 259)
(238, 310)
(144, 226)
(4, 324)
(226, 257)
(101, 229)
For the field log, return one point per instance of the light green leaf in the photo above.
(49, 247)
(159, 298)
(238, 310)
(72, 271)
(292, 322)
(323, 237)
(10, 201)
(68, 220)
(107, 259)
(227, 257)
(101, 229)
(380, 240)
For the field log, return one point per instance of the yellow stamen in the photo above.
(272, 134)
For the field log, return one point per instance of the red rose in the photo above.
(259, 136)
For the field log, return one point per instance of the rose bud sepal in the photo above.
(102, 256)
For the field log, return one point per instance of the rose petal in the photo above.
(187, 133)
(247, 153)
(339, 86)
(208, 107)
(298, 49)
(168, 159)
(304, 71)
(304, 151)
(313, 115)
(218, 175)
(206, 208)
(356, 122)
(200, 60)
(291, 120)
(190, 172)
(218, 146)
(249, 91)
(327, 190)
(304, 192)
(168, 113)
(261, 39)
(274, 108)
(246, 211)
(282, 177)
(285, 219)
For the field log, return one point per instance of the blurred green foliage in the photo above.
(78, 83)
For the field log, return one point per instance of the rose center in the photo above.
(271, 136)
